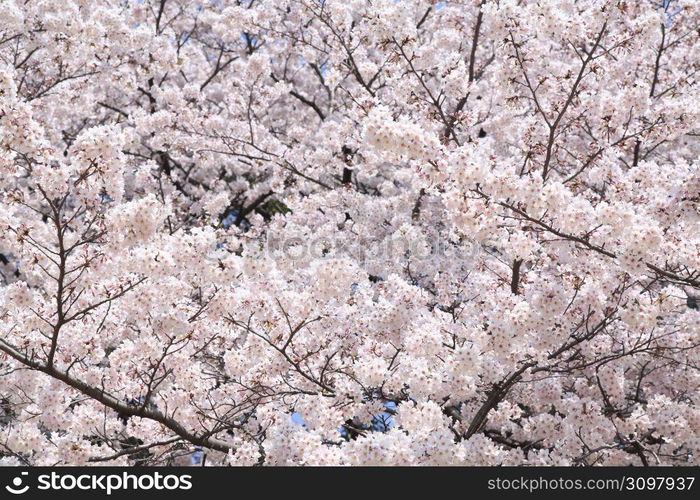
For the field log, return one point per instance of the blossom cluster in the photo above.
(151, 150)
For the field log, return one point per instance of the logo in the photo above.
(17, 483)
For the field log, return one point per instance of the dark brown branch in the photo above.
(254, 204)
(691, 279)
(515, 280)
(567, 103)
(496, 395)
(309, 103)
(115, 404)
(425, 16)
(657, 62)
(133, 450)
(475, 41)
(161, 8)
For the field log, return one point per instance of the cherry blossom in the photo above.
(294, 232)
